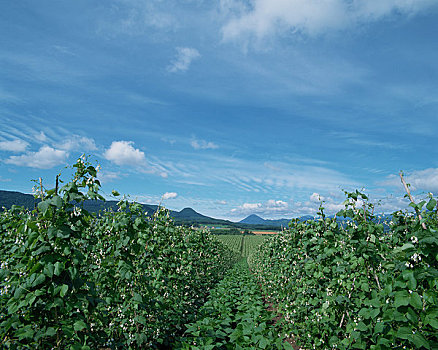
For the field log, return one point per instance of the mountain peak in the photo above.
(253, 219)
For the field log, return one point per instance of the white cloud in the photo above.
(169, 195)
(123, 153)
(221, 202)
(273, 204)
(185, 56)
(13, 146)
(5, 180)
(80, 143)
(251, 206)
(314, 17)
(267, 209)
(202, 144)
(46, 158)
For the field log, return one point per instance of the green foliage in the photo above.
(356, 286)
(71, 280)
(244, 245)
(234, 317)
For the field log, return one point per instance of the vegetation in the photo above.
(242, 244)
(357, 287)
(70, 280)
(124, 279)
(234, 317)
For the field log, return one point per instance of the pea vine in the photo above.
(73, 280)
(365, 284)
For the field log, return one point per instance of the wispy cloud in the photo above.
(421, 180)
(108, 176)
(76, 142)
(184, 58)
(314, 17)
(202, 144)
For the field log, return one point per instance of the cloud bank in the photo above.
(13, 146)
(45, 158)
(314, 17)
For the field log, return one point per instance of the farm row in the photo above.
(242, 244)
(70, 280)
(234, 317)
(356, 286)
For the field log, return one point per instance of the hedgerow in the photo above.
(358, 285)
(73, 280)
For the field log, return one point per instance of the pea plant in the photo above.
(365, 284)
(234, 317)
(74, 280)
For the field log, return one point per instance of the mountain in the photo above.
(254, 219)
(186, 216)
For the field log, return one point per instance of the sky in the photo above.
(230, 107)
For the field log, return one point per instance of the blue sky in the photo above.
(230, 107)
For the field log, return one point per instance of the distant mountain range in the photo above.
(185, 216)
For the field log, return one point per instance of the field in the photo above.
(265, 232)
(242, 244)
(122, 280)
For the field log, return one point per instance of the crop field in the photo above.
(242, 244)
(122, 280)
(266, 232)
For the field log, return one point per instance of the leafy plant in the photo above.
(356, 286)
(71, 280)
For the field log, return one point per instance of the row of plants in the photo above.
(119, 280)
(234, 317)
(357, 285)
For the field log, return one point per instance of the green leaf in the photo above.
(50, 332)
(404, 333)
(43, 206)
(64, 290)
(431, 205)
(401, 299)
(263, 343)
(40, 279)
(79, 325)
(57, 201)
(379, 327)
(59, 267)
(49, 270)
(420, 341)
(115, 193)
(416, 301)
(407, 246)
(25, 333)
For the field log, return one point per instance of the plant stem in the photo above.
(412, 200)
